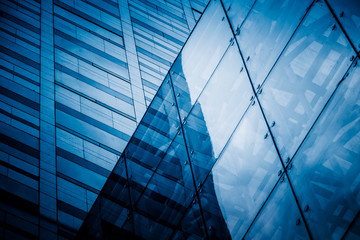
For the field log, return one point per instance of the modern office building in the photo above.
(254, 133)
(76, 79)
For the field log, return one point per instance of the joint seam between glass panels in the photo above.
(351, 225)
(342, 28)
(190, 161)
(268, 126)
(131, 210)
(153, 173)
(226, 145)
(286, 45)
(315, 122)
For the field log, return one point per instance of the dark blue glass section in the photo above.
(325, 171)
(280, 217)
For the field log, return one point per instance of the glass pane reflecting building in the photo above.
(254, 132)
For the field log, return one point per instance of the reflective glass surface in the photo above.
(325, 171)
(246, 172)
(198, 59)
(237, 11)
(213, 119)
(305, 77)
(191, 226)
(156, 130)
(266, 31)
(348, 13)
(280, 217)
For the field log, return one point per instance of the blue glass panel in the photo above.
(147, 227)
(326, 169)
(348, 13)
(191, 226)
(280, 218)
(354, 231)
(266, 31)
(116, 186)
(246, 172)
(304, 78)
(156, 130)
(173, 179)
(200, 56)
(214, 218)
(217, 112)
(237, 10)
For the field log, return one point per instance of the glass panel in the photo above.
(348, 13)
(217, 112)
(305, 77)
(161, 204)
(266, 31)
(326, 169)
(116, 187)
(222, 103)
(200, 56)
(280, 218)
(156, 130)
(354, 231)
(237, 10)
(111, 208)
(246, 172)
(191, 226)
(172, 181)
(146, 227)
(214, 218)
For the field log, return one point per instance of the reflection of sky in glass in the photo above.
(199, 59)
(232, 89)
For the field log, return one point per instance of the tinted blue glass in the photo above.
(191, 226)
(237, 10)
(280, 218)
(215, 220)
(266, 31)
(325, 171)
(348, 13)
(354, 231)
(217, 112)
(246, 172)
(156, 130)
(305, 77)
(180, 184)
(200, 56)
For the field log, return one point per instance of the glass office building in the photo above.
(253, 134)
(76, 79)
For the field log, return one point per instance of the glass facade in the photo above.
(76, 79)
(251, 132)
(254, 133)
